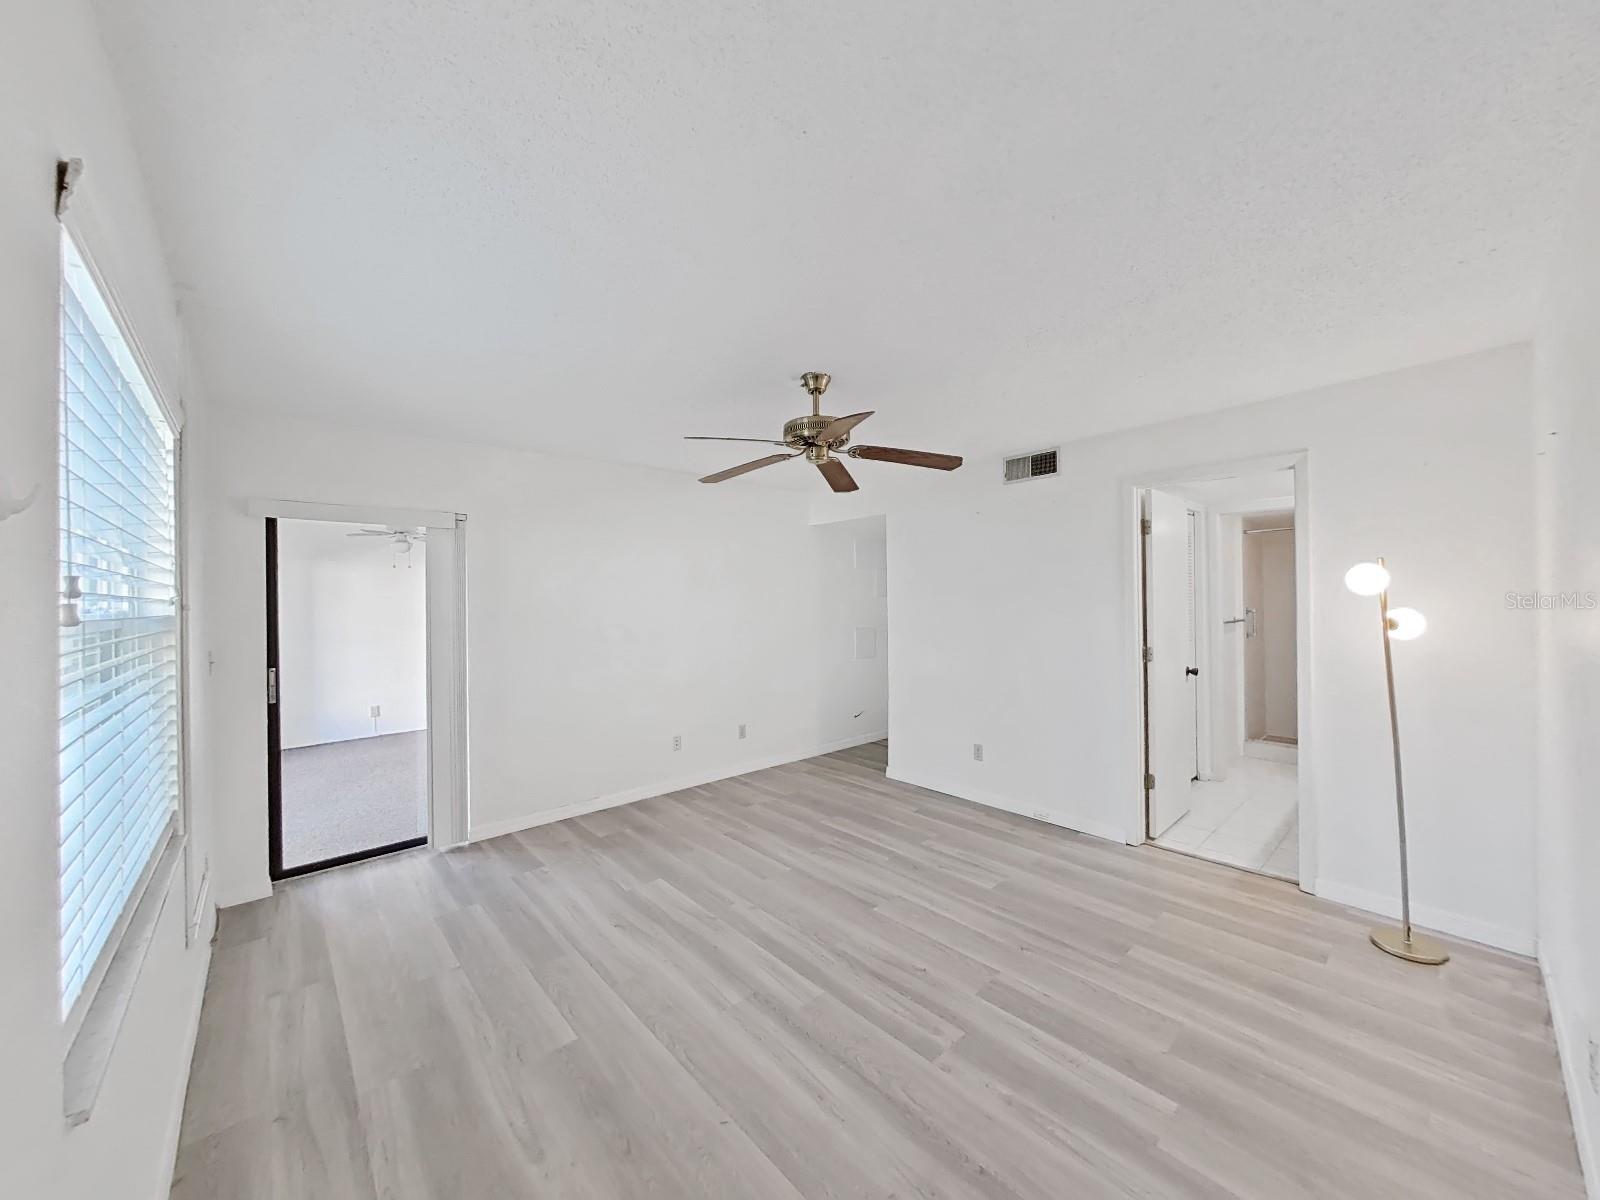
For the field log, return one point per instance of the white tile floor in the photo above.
(1250, 819)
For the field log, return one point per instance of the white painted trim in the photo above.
(1572, 1051)
(85, 233)
(1304, 665)
(446, 583)
(1205, 625)
(352, 514)
(191, 1035)
(1136, 817)
(445, 579)
(493, 829)
(193, 888)
(1110, 833)
(1471, 929)
(1299, 462)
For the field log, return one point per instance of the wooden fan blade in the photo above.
(838, 478)
(694, 437)
(744, 468)
(836, 429)
(911, 458)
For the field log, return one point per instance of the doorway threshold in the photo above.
(1266, 872)
(1249, 820)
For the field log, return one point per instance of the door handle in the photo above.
(1191, 670)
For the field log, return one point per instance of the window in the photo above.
(119, 626)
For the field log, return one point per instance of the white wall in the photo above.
(1008, 607)
(1566, 445)
(1278, 633)
(56, 100)
(1227, 641)
(352, 633)
(1269, 569)
(609, 609)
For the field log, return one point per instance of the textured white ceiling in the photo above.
(591, 228)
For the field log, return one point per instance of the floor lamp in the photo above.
(1399, 625)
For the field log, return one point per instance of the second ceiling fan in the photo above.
(821, 439)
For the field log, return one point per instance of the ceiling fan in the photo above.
(821, 438)
(403, 539)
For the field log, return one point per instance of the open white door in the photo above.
(1170, 698)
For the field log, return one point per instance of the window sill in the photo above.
(84, 1068)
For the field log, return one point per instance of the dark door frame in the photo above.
(275, 865)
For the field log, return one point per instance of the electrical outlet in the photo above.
(677, 741)
(977, 751)
(741, 733)
(377, 711)
(1594, 1066)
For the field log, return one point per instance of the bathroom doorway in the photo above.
(1220, 644)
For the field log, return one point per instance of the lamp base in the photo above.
(1419, 949)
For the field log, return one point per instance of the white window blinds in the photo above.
(119, 635)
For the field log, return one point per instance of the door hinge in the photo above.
(1149, 782)
(1144, 524)
(1149, 654)
(272, 685)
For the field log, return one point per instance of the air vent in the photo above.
(1031, 466)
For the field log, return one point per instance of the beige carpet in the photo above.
(343, 797)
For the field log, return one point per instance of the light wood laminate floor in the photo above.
(812, 981)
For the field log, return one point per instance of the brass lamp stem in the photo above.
(1412, 948)
(1399, 778)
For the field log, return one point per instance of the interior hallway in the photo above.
(814, 981)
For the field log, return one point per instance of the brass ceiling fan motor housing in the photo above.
(803, 430)
(803, 433)
(815, 382)
(821, 438)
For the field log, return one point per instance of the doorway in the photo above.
(1220, 643)
(348, 699)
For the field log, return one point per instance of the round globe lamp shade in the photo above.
(1366, 578)
(1406, 623)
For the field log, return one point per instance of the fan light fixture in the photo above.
(820, 439)
(403, 539)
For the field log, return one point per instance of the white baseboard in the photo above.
(1573, 1051)
(493, 829)
(360, 737)
(1472, 929)
(1099, 829)
(1271, 751)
